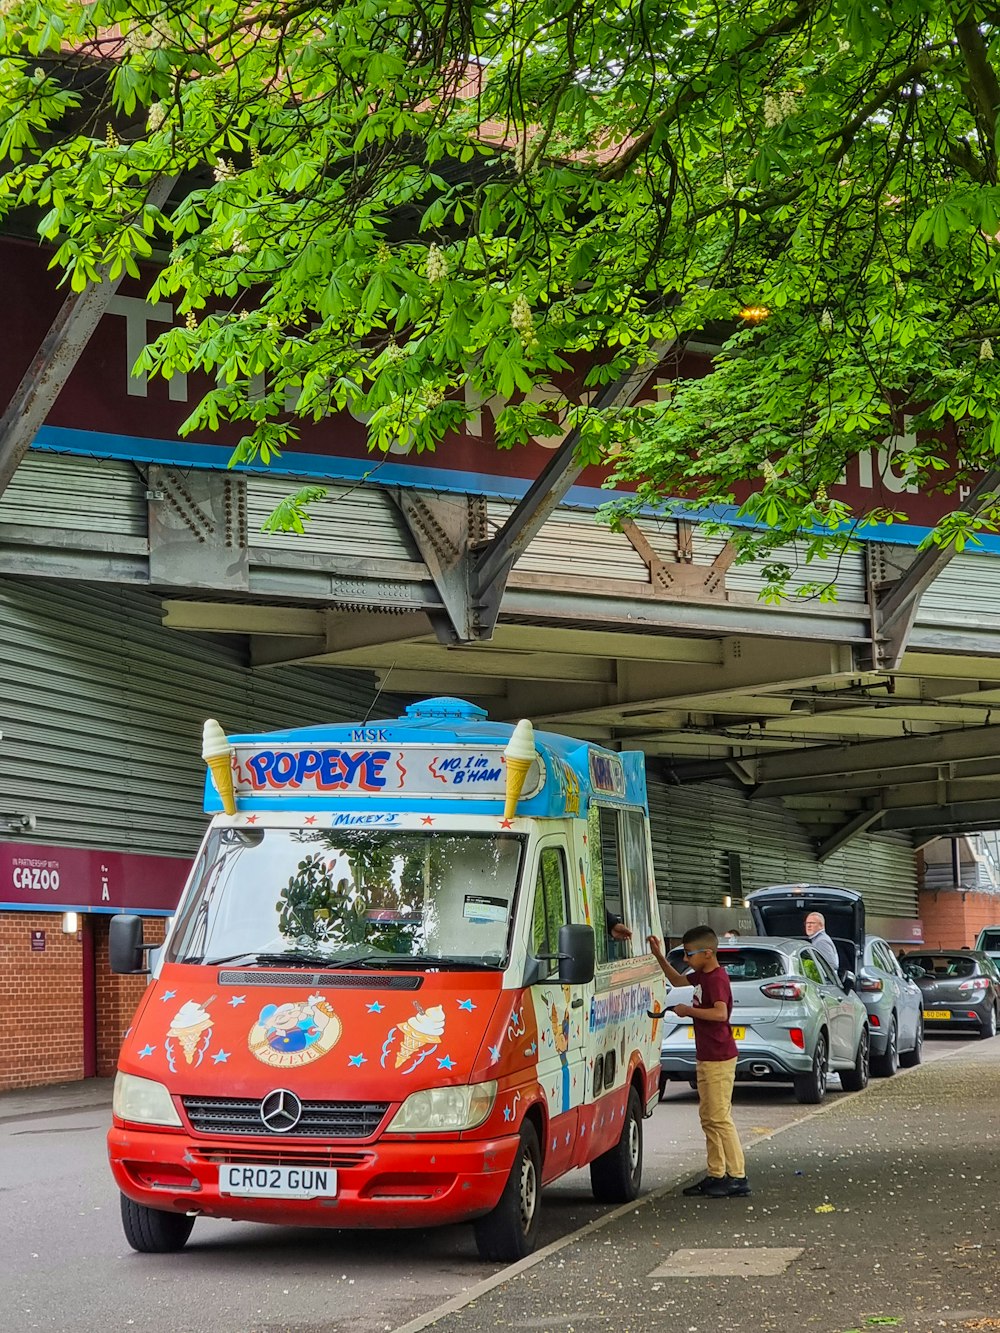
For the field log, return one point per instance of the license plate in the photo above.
(277, 1182)
(937, 1013)
(738, 1033)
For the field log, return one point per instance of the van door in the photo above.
(559, 1013)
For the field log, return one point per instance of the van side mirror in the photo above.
(576, 955)
(125, 947)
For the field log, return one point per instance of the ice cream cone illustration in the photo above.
(191, 1031)
(217, 755)
(425, 1029)
(520, 754)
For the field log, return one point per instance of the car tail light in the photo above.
(976, 984)
(873, 1020)
(798, 1038)
(869, 984)
(783, 990)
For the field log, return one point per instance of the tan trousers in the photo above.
(715, 1109)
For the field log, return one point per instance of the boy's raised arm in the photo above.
(669, 971)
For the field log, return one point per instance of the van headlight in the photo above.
(436, 1110)
(143, 1101)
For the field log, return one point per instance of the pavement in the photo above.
(56, 1099)
(878, 1211)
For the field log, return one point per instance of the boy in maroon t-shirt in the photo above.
(715, 1060)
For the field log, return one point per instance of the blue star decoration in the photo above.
(220, 1057)
(237, 1000)
(467, 1005)
(375, 1008)
(494, 1054)
(446, 1062)
(167, 995)
(146, 1050)
(508, 1113)
(357, 1060)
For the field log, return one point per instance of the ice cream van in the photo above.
(390, 995)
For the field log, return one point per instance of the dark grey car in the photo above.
(960, 988)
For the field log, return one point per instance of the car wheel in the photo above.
(153, 1231)
(663, 1084)
(989, 1028)
(909, 1059)
(509, 1232)
(811, 1087)
(884, 1065)
(856, 1079)
(616, 1175)
(693, 1084)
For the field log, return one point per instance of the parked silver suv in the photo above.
(866, 964)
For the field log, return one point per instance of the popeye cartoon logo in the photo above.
(295, 1033)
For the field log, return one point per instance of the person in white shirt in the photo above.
(820, 940)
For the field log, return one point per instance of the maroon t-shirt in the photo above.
(713, 1041)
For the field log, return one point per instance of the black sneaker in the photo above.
(712, 1187)
(739, 1187)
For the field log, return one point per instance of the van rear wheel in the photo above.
(615, 1176)
(510, 1230)
(152, 1231)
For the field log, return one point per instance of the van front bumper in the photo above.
(383, 1184)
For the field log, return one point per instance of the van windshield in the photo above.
(349, 897)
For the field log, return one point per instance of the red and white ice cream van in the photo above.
(389, 996)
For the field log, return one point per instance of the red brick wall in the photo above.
(41, 996)
(117, 997)
(953, 919)
(42, 999)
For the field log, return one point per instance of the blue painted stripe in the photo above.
(86, 910)
(388, 471)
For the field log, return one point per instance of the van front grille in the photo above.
(320, 1120)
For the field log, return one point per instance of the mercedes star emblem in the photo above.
(280, 1111)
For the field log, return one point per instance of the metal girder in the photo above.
(683, 578)
(446, 530)
(956, 816)
(493, 563)
(872, 779)
(53, 363)
(862, 821)
(894, 604)
(873, 756)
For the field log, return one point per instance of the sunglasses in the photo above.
(693, 953)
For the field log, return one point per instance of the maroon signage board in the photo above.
(61, 879)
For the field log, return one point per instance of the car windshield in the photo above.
(990, 939)
(347, 897)
(750, 964)
(944, 966)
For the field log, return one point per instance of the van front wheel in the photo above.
(509, 1232)
(616, 1175)
(152, 1231)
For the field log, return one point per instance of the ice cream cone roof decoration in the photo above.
(519, 753)
(217, 754)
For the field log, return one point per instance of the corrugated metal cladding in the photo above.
(351, 518)
(85, 494)
(698, 826)
(576, 543)
(102, 710)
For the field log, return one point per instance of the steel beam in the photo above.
(494, 562)
(873, 756)
(894, 605)
(52, 364)
(964, 816)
